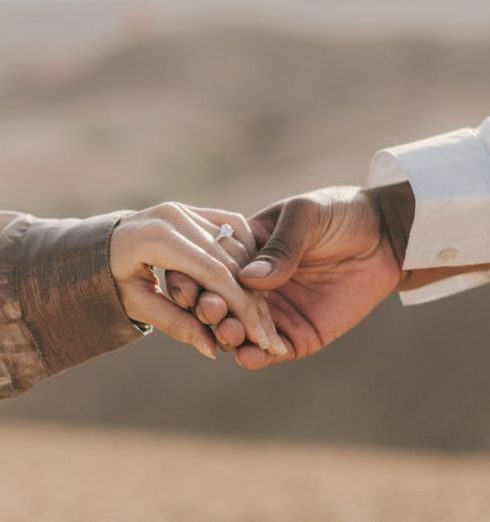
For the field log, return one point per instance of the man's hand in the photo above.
(327, 260)
(327, 263)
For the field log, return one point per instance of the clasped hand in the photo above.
(295, 276)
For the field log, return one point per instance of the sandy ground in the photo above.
(60, 474)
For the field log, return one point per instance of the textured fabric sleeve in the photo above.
(59, 305)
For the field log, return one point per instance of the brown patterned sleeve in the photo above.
(59, 305)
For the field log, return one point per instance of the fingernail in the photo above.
(257, 269)
(177, 294)
(281, 348)
(262, 337)
(207, 351)
(267, 323)
(201, 315)
(276, 345)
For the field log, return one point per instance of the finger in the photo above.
(232, 245)
(230, 334)
(182, 289)
(178, 252)
(294, 325)
(253, 358)
(147, 306)
(241, 227)
(176, 219)
(211, 308)
(278, 260)
(278, 347)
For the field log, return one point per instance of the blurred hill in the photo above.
(225, 109)
(33, 27)
(238, 118)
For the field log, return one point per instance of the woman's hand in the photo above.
(176, 237)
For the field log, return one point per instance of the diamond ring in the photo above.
(225, 231)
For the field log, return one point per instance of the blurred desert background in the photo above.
(107, 105)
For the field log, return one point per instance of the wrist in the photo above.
(396, 207)
(67, 292)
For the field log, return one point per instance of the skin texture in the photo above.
(330, 264)
(176, 237)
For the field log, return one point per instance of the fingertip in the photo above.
(230, 332)
(178, 296)
(200, 315)
(209, 352)
(211, 308)
(254, 275)
(257, 269)
(253, 358)
(227, 348)
(179, 324)
(190, 291)
(182, 289)
(247, 276)
(239, 362)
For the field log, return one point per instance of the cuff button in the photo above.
(448, 254)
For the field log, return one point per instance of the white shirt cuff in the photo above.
(450, 178)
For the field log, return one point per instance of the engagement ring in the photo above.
(225, 231)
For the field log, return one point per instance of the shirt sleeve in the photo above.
(59, 304)
(450, 178)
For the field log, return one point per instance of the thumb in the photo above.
(279, 258)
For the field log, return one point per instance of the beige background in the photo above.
(237, 116)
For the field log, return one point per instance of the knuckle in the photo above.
(218, 271)
(277, 247)
(238, 220)
(301, 202)
(167, 210)
(152, 235)
(300, 208)
(151, 230)
(243, 226)
(306, 208)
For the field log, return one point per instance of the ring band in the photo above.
(225, 231)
